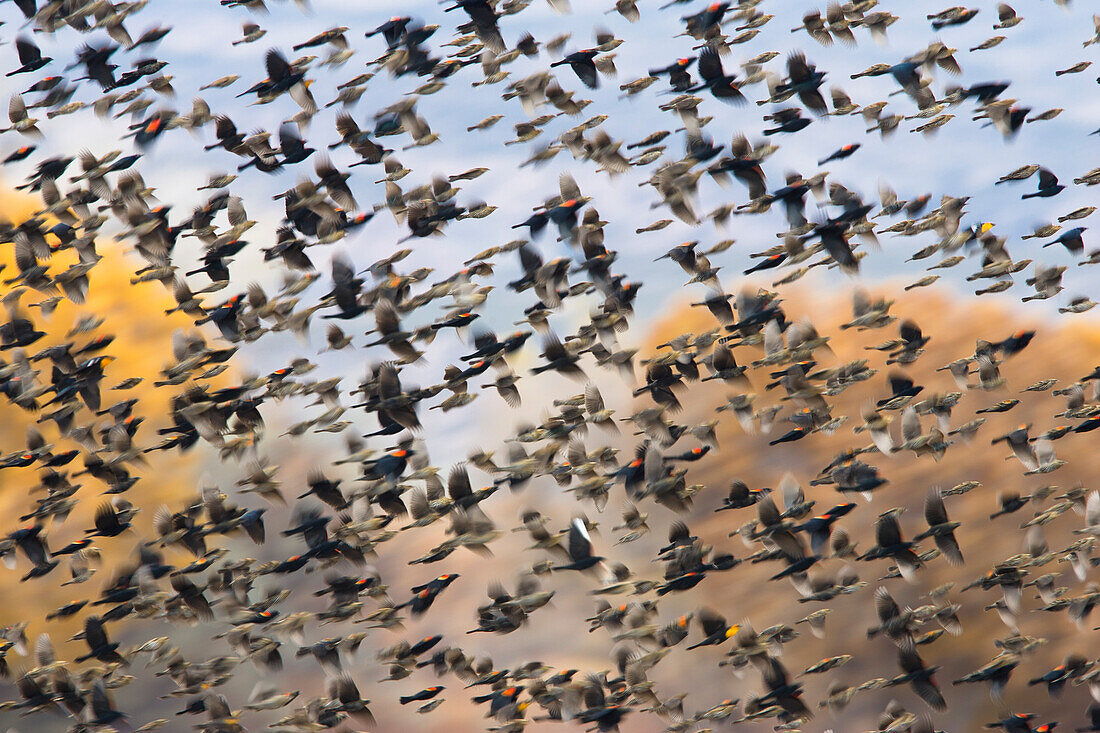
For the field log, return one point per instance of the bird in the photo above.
(1048, 185)
(30, 57)
(583, 65)
(1071, 239)
(716, 629)
(715, 80)
(580, 548)
(939, 528)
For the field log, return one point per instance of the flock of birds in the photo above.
(780, 373)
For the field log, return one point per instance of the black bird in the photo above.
(100, 647)
(484, 18)
(29, 8)
(706, 20)
(677, 73)
(392, 30)
(715, 629)
(1048, 185)
(920, 677)
(111, 520)
(428, 592)
(902, 390)
(95, 60)
(20, 153)
(1015, 723)
(558, 358)
(228, 137)
(1015, 343)
(889, 543)
(834, 238)
(820, 527)
(103, 712)
(796, 433)
(580, 549)
(1073, 666)
(583, 66)
(701, 148)
(715, 80)
(325, 490)
(788, 119)
(148, 130)
(292, 147)
(30, 57)
(741, 496)
(31, 542)
(780, 691)
(426, 694)
(18, 332)
(346, 288)
(768, 263)
(252, 522)
(940, 528)
(841, 153)
(1071, 240)
(804, 79)
(1010, 502)
(344, 588)
(282, 78)
(224, 316)
(793, 551)
(535, 224)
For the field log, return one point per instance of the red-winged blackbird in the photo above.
(821, 527)
(841, 153)
(678, 73)
(392, 30)
(583, 66)
(715, 628)
(699, 24)
(426, 694)
(1015, 723)
(1015, 343)
(20, 153)
(428, 592)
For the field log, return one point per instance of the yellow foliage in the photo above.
(134, 314)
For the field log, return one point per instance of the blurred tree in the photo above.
(134, 315)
